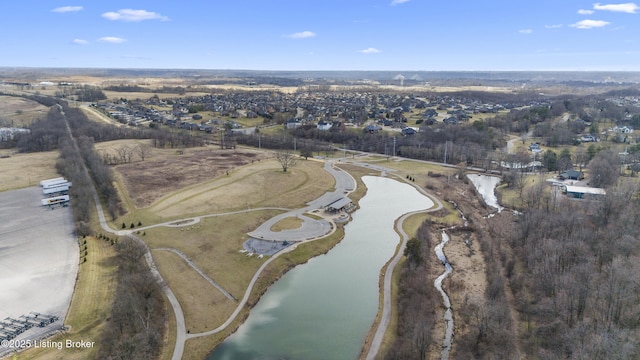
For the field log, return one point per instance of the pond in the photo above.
(324, 308)
(486, 186)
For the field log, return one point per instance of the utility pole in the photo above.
(259, 142)
(445, 151)
(394, 146)
(294, 144)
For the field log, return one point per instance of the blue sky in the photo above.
(322, 34)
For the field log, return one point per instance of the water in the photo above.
(324, 308)
(486, 186)
(448, 315)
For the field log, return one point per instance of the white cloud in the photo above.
(112, 40)
(80, 41)
(66, 9)
(585, 12)
(369, 51)
(130, 15)
(589, 24)
(554, 26)
(398, 2)
(629, 8)
(301, 35)
(525, 31)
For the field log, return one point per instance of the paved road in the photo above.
(181, 331)
(311, 229)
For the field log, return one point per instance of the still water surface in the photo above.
(324, 308)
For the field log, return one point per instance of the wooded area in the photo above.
(138, 314)
(562, 282)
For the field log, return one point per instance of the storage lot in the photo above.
(38, 258)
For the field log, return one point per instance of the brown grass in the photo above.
(168, 170)
(204, 306)
(95, 115)
(467, 282)
(24, 170)
(90, 305)
(289, 223)
(261, 184)
(19, 112)
(214, 245)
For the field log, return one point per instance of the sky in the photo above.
(416, 35)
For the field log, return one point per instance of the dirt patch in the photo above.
(148, 180)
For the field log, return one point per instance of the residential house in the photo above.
(409, 131)
(571, 175)
(371, 129)
(292, 124)
(323, 125)
(623, 129)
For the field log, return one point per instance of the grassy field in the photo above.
(287, 224)
(23, 170)
(214, 244)
(261, 184)
(90, 305)
(204, 306)
(97, 116)
(216, 253)
(19, 112)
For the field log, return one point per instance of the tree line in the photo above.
(453, 144)
(45, 135)
(136, 327)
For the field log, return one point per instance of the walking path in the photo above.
(311, 229)
(385, 318)
(199, 271)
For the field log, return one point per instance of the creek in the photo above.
(448, 314)
(324, 309)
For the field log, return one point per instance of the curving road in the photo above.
(311, 230)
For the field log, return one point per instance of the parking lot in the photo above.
(38, 260)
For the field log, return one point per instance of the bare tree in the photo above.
(143, 150)
(286, 158)
(604, 169)
(122, 153)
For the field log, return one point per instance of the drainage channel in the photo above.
(448, 314)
